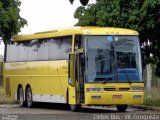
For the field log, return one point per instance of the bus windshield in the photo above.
(112, 59)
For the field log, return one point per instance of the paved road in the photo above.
(62, 112)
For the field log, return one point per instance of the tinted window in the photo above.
(12, 53)
(32, 51)
(40, 50)
(42, 53)
(22, 52)
(78, 42)
(65, 47)
(54, 49)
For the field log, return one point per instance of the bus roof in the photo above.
(76, 30)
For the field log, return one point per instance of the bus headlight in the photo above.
(94, 89)
(137, 88)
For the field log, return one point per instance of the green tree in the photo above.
(140, 15)
(10, 20)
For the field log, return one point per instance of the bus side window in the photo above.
(54, 49)
(65, 47)
(78, 42)
(12, 53)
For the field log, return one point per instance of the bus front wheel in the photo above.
(21, 97)
(29, 97)
(75, 108)
(121, 108)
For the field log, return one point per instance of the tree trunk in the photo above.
(158, 82)
(149, 77)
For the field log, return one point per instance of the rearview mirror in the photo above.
(83, 2)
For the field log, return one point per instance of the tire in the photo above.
(121, 108)
(75, 108)
(29, 99)
(21, 97)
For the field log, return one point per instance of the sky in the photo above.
(44, 15)
(1, 48)
(47, 14)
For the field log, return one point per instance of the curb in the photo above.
(9, 106)
(153, 108)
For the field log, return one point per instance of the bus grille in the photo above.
(110, 89)
(8, 88)
(116, 89)
(124, 89)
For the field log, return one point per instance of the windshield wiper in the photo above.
(107, 79)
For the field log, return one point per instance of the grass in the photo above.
(0, 71)
(152, 98)
(1, 82)
(1, 95)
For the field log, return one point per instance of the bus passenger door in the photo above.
(76, 79)
(79, 77)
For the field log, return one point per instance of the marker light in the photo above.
(137, 88)
(94, 89)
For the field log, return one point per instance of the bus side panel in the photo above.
(63, 74)
(44, 81)
(13, 75)
(43, 78)
(72, 95)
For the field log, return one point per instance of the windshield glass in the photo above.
(112, 59)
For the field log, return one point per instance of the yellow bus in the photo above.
(77, 66)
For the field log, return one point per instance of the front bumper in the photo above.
(114, 98)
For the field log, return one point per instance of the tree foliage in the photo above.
(140, 15)
(10, 20)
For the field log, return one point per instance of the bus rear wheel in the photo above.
(121, 108)
(21, 97)
(29, 98)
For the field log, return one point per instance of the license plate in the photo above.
(117, 96)
(95, 97)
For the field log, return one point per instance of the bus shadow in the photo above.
(90, 109)
(65, 107)
(50, 106)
